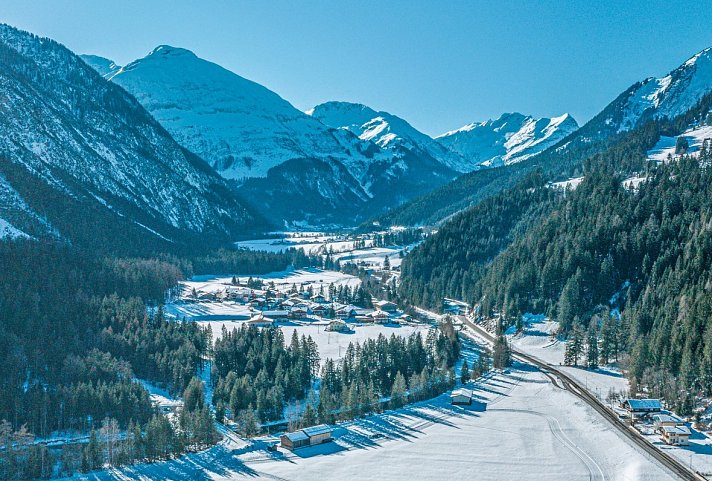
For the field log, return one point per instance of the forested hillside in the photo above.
(645, 251)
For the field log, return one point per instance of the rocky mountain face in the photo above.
(70, 141)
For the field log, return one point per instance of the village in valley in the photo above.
(331, 307)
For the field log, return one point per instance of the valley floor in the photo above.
(522, 428)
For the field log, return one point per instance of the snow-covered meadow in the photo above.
(522, 427)
(341, 247)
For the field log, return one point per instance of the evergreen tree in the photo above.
(592, 348)
(574, 346)
(464, 373)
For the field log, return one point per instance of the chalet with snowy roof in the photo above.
(642, 407)
(338, 326)
(298, 313)
(319, 310)
(380, 317)
(259, 320)
(676, 435)
(662, 420)
(461, 397)
(345, 312)
(318, 298)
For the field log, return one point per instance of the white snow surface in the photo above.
(539, 340)
(529, 430)
(510, 139)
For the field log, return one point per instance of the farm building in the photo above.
(306, 437)
(318, 434)
(294, 440)
(676, 435)
(461, 397)
(642, 407)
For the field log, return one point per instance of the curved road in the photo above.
(575, 388)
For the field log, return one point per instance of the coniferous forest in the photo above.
(622, 267)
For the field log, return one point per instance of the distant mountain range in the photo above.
(507, 140)
(188, 148)
(340, 162)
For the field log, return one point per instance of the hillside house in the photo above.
(642, 407)
(380, 317)
(676, 435)
(298, 313)
(662, 420)
(318, 298)
(385, 306)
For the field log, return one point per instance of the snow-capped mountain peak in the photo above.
(510, 138)
(240, 127)
(386, 130)
(668, 96)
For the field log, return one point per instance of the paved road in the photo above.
(575, 388)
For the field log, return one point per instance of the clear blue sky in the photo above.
(438, 66)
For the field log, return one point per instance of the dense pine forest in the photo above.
(77, 329)
(257, 374)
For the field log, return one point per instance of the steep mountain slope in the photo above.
(71, 142)
(271, 150)
(240, 127)
(387, 131)
(652, 98)
(507, 140)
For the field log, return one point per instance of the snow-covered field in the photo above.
(319, 243)
(309, 242)
(666, 145)
(522, 428)
(538, 341)
(567, 184)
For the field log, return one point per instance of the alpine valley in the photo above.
(199, 280)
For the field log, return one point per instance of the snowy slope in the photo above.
(696, 137)
(386, 130)
(68, 134)
(104, 66)
(240, 127)
(509, 139)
